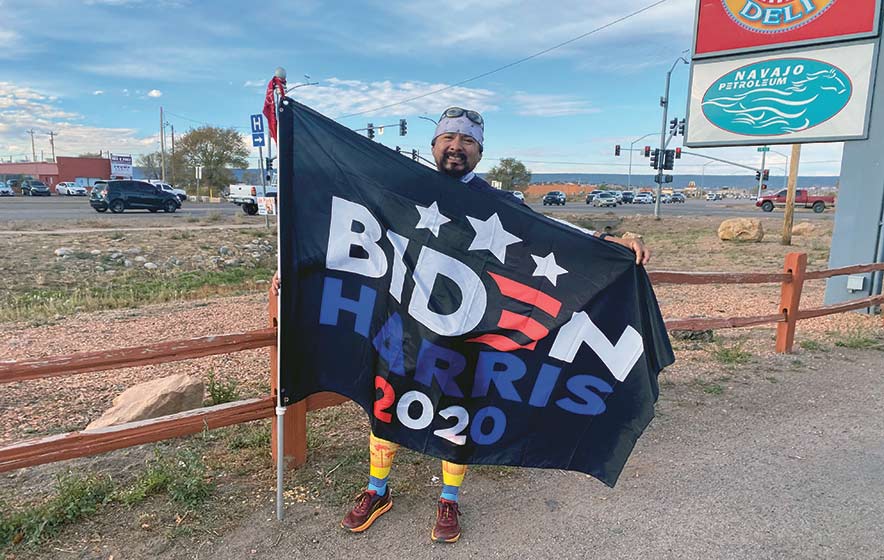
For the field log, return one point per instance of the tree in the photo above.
(511, 173)
(152, 164)
(90, 154)
(216, 150)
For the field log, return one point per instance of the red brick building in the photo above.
(83, 171)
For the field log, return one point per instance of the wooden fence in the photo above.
(91, 442)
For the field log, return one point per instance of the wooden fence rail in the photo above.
(90, 442)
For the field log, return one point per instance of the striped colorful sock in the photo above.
(452, 478)
(381, 452)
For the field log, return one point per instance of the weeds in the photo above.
(75, 497)
(731, 355)
(182, 235)
(213, 217)
(222, 392)
(249, 436)
(856, 339)
(131, 291)
(811, 345)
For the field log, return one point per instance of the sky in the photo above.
(96, 72)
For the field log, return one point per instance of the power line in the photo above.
(511, 64)
(200, 122)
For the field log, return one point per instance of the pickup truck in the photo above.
(246, 196)
(802, 200)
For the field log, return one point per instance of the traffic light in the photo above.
(681, 127)
(398, 150)
(766, 175)
(617, 150)
(758, 175)
(647, 151)
(678, 153)
(763, 186)
(403, 127)
(268, 168)
(668, 159)
(371, 131)
(673, 125)
(414, 154)
(655, 158)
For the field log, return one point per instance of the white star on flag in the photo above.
(431, 218)
(547, 266)
(490, 235)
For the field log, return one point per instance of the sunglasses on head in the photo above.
(454, 112)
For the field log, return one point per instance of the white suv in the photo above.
(70, 188)
(180, 193)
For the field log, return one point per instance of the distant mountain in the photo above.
(678, 181)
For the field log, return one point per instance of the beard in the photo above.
(454, 166)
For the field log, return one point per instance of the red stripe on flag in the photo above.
(527, 294)
(502, 343)
(525, 325)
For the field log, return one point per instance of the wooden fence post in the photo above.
(790, 300)
(295, 419)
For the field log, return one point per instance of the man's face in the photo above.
(456, 154)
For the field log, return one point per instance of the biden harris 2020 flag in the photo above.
(466, 325)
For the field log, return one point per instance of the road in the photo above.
(726, 209)
(59, 208)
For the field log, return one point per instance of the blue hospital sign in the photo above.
(257, 139)
(257, 124)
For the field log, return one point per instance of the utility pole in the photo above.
(629, 174)
(664, 102)
(33, 147)
(790, 194)
(162, 146)
(172, 167)
(52, 143)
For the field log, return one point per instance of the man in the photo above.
(457, 149)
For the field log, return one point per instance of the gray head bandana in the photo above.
(460, 125)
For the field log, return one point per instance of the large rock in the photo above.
(159, 397)
(741, 229)
(803, 228)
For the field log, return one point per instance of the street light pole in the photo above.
(631, 144)
(664, 102)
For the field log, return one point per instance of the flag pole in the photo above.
(280, 410)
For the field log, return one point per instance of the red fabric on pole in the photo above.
(269, 109)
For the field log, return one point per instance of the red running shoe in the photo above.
(447, 528)
(369, 506)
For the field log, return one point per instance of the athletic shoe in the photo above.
(447, 528)
(369, 506)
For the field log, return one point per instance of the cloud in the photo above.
(154, 93)
(551, 105)
(338, 98)
(98, 92)
(255, 83)
(23, 108)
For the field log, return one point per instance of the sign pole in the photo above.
(790, 194)
(263, 182)
(761, 173)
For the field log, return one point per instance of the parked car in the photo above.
(591, 196)
(713, 196)
(628, 197)
(677, 197)
(518, 194)
(665, 198)
(6, 190)
(605, 199)
(554, 197)
(69, 188)
(33, 187)
(118, 196)
(802, 200)
(12, 184)
(643, 198)
(246, 196)
(618, 195)
(180, 193)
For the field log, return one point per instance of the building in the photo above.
(81, 170)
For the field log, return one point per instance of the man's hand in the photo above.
(274, 284)
(642, 253)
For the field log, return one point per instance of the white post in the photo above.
(280, 410)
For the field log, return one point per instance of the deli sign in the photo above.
(738, 26)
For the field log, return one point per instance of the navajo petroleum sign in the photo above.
(739, 26)
(809, 95)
